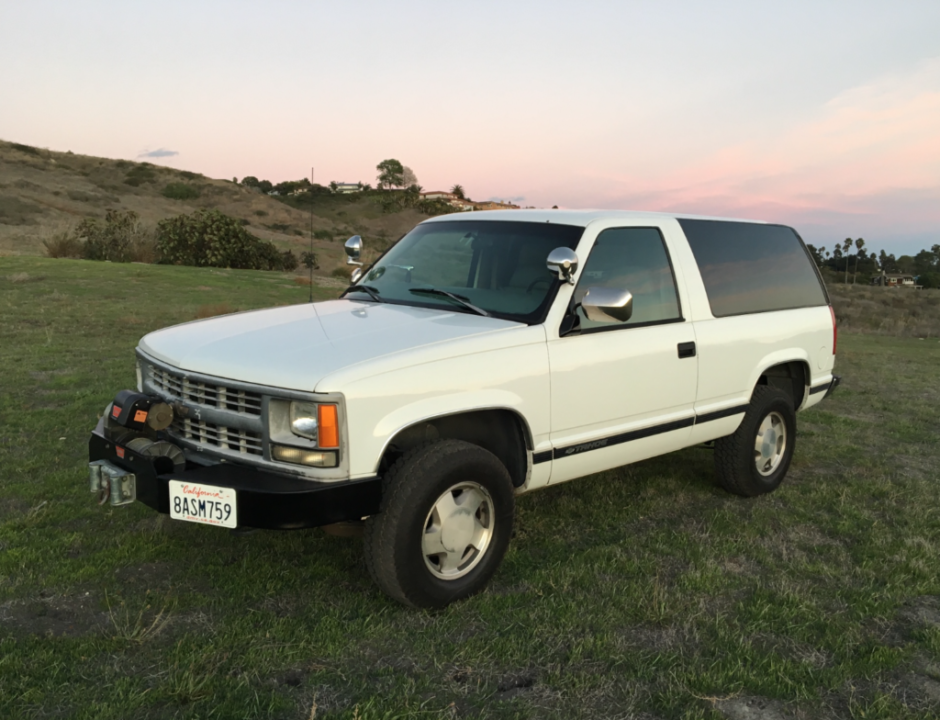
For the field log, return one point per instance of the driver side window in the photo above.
(633, 259)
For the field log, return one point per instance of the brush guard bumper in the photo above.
(265, 499)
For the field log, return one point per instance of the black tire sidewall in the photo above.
(777, 402)
(426, 483)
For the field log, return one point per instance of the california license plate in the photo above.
(207, 504)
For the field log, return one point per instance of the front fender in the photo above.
(378, 407)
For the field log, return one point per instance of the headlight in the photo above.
(303, 419)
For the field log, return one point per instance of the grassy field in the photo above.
(644, 592)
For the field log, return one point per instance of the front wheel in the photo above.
(755, 459)
(444, 526)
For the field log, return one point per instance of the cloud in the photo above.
(158, 153)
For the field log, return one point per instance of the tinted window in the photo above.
(750, 268)
(497, 266)
(631, 259)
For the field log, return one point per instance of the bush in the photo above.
(139, 174)
(29, 149)
(289, 261)
(120, 238)
(929, 280)
(309, 260)
(207, 238)
(180, 191)
(64, 244)
(323, 235)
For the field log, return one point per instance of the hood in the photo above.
(295, 347)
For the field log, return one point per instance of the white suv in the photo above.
(479, 358)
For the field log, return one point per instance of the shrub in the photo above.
(180, 191)
(929, 280)
(29, 149)
(139, 174)
(209, 238)
(119, 238)
(289, 261)
(64, 244)
(309, 260)
(323, 235)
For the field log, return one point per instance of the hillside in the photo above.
(43, 192)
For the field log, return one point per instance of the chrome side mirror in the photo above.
(353, 250)
(563, 263)
(356, 274)
(607, 304)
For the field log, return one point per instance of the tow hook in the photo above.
(112, 483)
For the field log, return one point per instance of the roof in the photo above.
(578, 217)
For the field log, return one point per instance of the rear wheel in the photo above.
(444, 525)
(755, 459)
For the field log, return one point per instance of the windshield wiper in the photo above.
(373, 292)
(456, 298)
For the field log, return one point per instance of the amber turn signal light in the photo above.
(329, 426)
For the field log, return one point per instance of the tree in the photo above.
(408, 177)
(816, 253)
(859, 244)
(846, 246)
(250, 181)
(391, 173)
(309, 260)
(458, 191)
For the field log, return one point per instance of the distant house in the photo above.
(494, 205)
(345, 187)
(895, 280)
(439, 195)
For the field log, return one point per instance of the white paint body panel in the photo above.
(397, 365)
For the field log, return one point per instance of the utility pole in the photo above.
(310, 258)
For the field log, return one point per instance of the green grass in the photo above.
(642, 592)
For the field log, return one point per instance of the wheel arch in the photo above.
(790, 376)
(502, 431)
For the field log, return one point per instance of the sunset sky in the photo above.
(821, 115)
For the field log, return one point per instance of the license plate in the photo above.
(207, 504)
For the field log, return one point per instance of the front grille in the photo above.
(206, 394)
(220, 436)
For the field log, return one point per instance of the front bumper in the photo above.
(265, 499)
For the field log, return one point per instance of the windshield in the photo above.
(494, 266)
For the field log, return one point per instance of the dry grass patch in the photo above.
(208, 311)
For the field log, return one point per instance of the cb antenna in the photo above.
(310, 257)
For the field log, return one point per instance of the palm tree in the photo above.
(846, 246)
(859, 244)
(457, 190)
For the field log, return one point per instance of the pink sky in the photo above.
(824, 117)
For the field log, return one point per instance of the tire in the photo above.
(754, 460)
(424, 548)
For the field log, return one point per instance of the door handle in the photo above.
(686, 350)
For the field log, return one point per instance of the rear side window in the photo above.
(751, 268)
